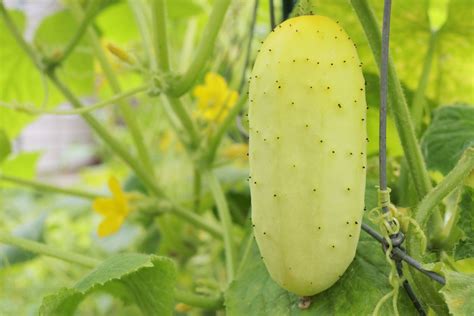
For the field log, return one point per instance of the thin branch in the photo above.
(230, 118)
(46, 187)
(46, 250)
(204, 50)
(83, 110)
(214, 302)
(453, 179)
(226, 220)
(404, 256)
(89, 16)
(160, 34)
(383, 98)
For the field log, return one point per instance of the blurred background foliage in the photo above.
(70, 223)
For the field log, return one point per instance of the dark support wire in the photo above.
(272, 14)
(398, 254)
(287, 7)
(383, 98)
(248, 54)
(409, 290)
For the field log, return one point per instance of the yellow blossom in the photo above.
(214, 97)
(182, 308)
(236, 151)
(114, 209)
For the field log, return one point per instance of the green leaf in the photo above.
(465, 247)
(409, 37)
(22, 166)
(459, 292)
(449, 134)
(32, 230)
(110, 23)
(19, 79)
(5, 146)
(363, 284)
(178, 9)
(52, 36)
(145, 280)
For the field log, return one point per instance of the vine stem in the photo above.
(204, 50)
(160, 35)
(102, 132)
(142, 20)
(89, 15)
(83, 110)
(398, 103)
(46, 250)
(128, 115)
(215, 302)
(219, 134)
(418, 102)
(427, 290)
(162, 57)
(115, 145)
(45, 187)
(453, 179)
(224, 214)
(198, 221)
(185, 118)
(208, 302)
(383, 98)
(417, 168)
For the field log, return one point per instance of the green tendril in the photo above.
(388, 225)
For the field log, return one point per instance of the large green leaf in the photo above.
(465, 247)
(52, 36)
(363, 284)
(448, 135)
(20, 82)
(22, 166)
(32, 230)
(145, 280)
(451, 77)
(110, 23)
(5, 146)
(459, 292)
(179, 9)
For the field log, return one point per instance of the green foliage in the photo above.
(22, 165)
(147, 281)
(5, 146)
(52, 36)
(449, 134)
(33, 230)
(465, 247)
(459, 292)
(410, 32)
(19, 79)
(358, 291)
(110, 23)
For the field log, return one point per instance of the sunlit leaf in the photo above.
(459, 292)
(449, 134)
(32, 230)
(5, 146)
(147, 281)
(52, 36)
(21, 166)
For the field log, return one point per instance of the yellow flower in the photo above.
(114, 209)
(236, 151)
(215, 99)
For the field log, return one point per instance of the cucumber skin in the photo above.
(307, 152)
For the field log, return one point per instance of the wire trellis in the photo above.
(398, 252)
